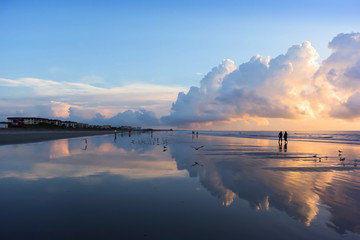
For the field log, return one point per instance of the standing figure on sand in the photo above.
(280, 135)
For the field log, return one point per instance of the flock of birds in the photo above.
(164, 142)
(341, 158)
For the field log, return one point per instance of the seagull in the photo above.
(196, 163)
(342, 159)
(319, 159)
(197, 148)
(315, 156)
(340, 151)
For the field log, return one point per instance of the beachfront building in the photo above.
(31, 121)
(69, 124)
(45, 122)
(21, 121)
(82, 125)
(55, 122)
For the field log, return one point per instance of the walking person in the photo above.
(285, 137)
(280, 136)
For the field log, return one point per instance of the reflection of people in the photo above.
(285, 146)
(280, 146)
(285, 136)
(280, 136)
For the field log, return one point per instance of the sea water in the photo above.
(346, 137)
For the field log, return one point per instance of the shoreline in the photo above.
(336, 137)
(20, 136)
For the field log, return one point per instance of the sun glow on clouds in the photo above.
(291, 88)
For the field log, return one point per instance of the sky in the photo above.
(216, 65)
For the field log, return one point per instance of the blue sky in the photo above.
(111, 44)
(165, 42)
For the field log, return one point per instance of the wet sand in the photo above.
(248, 188)
(17, 136)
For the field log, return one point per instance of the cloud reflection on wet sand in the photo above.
(258, 171)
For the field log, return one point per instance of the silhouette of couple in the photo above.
(281, 136)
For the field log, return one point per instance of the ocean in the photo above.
(342, 137)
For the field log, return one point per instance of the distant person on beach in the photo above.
(280, 136)
(285, 137)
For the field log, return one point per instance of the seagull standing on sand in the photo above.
(85, 147)
(339, 152)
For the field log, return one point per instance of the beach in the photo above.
(18, 135)
(156, 185)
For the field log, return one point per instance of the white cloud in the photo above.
(290, 86)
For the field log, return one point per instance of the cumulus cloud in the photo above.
(262, 87)
(289, 86)
(338, 78)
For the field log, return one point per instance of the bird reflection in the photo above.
(197, 148)
(85, 147)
